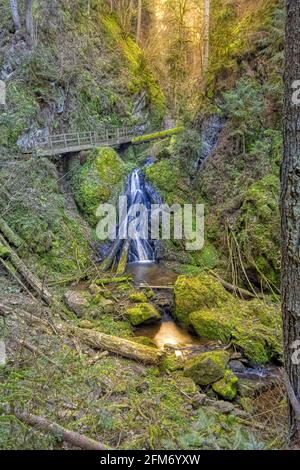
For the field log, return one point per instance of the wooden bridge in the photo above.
(57, 144)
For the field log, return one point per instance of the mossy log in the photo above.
(110, 258)
(116, 345)
(72, 437)
(124, 257)
(112, 280)
(29, 277)
(157, 135)
(9, 234)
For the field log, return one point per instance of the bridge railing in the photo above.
(86, 138)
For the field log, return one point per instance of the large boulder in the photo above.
(227, 386)
(195, 293)
(252, 326)
(76, 302)
(207, 368)
(141, 313)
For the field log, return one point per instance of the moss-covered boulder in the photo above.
(99, 180)
(138, 297)
(227, 386)
(141, 313)
(253, 326)
(172, 362)
(194, 293)
(206, 368)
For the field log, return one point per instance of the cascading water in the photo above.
(141, 249)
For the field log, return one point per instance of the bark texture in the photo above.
(290, 213)
(29, 19)
(15, 14)
(116, 345)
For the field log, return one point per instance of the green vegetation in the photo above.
(141, 313)
(206, 368)
(157, 135)
(227, 386)
(98, 181)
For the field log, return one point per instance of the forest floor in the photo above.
(119, 402)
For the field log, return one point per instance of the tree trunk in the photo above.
(139, 22)
(29, 20)
(290, 215)
(206, 34)
(116, 345)
(15, 14)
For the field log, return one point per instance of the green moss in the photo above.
(22, 109)
(172, 363)
(166, 178)
(209, 324)
(145, 341)
(157, 135)
(4, 252)
(98, 181)
(138, 297)
(251, 326)
(55, 241)
(206, 368)
(141, 313)
(140, 73)
(193, 293)
(227, 386)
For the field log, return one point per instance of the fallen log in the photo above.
(112, 280)
(108, 261)
(244, 293)
(72, 437)
(9, 234)
(116, 345)
(30, 278)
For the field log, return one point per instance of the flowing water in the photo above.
(141, 249)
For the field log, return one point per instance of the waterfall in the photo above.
(141, 249)
(211, 130)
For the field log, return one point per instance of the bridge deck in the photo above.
(77, 141)
(59, 144)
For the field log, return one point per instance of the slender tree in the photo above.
(290, 216)
(206, 34)
(139, 21)
(29, 19)
(15, 14)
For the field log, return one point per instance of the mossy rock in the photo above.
(227, 386)
(98, 181)
(138, 297)
(194, 293)
(172, 363)
(143, 312)
(207, 368)
(252, 326)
